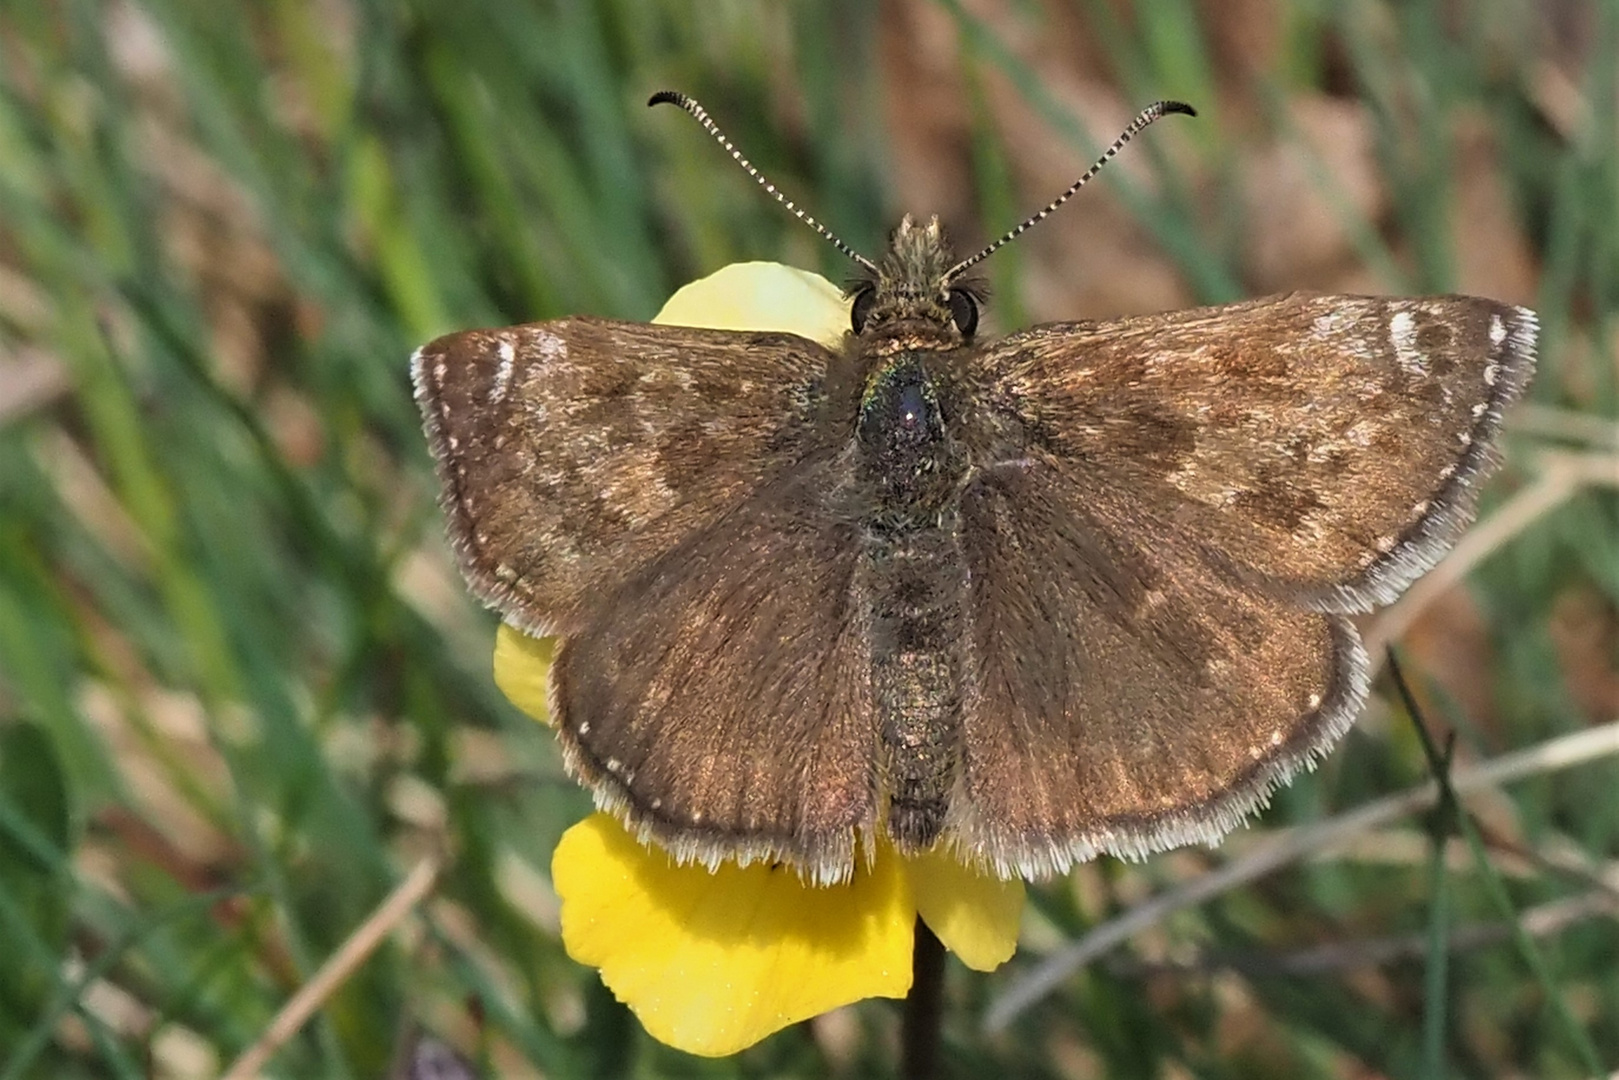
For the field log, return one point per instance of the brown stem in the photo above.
(924, 1008)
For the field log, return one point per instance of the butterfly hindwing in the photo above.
(720, 699)
(1124, 696)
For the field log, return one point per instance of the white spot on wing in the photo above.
(1498, 331)
(503, 374)
(1403, 335)
(1361, 434)
(551, 347)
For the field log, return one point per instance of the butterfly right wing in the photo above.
(572, 453)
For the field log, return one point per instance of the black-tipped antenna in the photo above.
(1155, 111)
(700, 114)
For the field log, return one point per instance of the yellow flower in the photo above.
(712, 962)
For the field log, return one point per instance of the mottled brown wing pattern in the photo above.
(1157, 528)
(1123, 698)
(1157, 582)
(573, 452)
(1324, 447)
(720, 699)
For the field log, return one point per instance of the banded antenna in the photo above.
(1155, 111)
(700, 114)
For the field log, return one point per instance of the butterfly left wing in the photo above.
(1327, 448)
(1155, 574)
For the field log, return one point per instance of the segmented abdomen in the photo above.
(915, 584)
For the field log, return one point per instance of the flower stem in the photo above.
(924, 1008)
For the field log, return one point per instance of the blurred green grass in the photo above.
(241, 691)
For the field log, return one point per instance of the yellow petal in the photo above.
(976, 916)
(522, 667)
(761, 296)
(713, 962)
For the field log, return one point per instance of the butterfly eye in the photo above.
(964, 311)
(864, 301)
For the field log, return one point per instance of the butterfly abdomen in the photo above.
(915, 585)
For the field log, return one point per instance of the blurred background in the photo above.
(242, 691)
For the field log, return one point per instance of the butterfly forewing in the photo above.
(1326, 448)
(573, 452)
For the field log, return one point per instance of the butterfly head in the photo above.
(915, 283)
(918, 287)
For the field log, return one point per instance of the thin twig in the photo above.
(1539, 921)
(350, 955)
(1547, 422)
(30, 380)
(1493, 887)
(1447, 819)
(1287, 848)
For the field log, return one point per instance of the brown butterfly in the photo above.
(1082, 589)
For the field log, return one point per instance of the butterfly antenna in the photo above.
(1155, 111)
(700, 114)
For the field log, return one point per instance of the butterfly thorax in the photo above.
(908, 317)
(909, 463)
